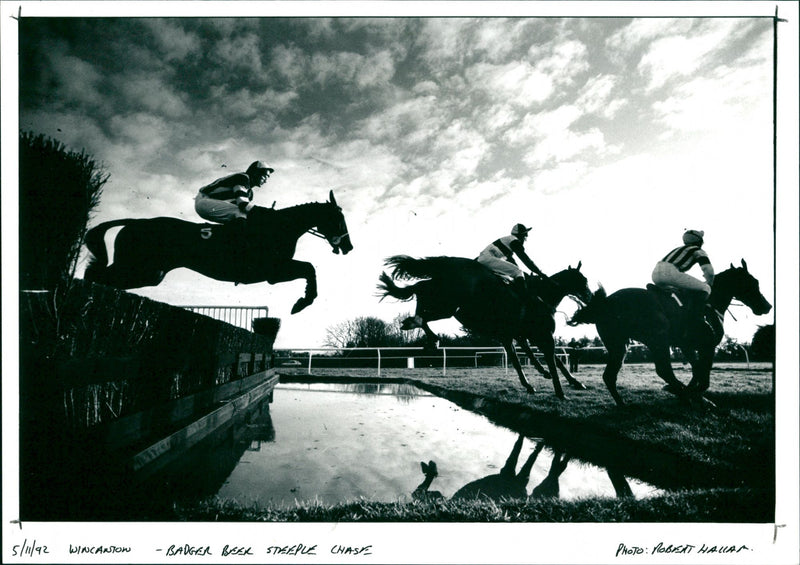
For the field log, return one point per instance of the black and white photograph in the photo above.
(389, 282)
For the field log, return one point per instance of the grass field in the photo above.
(716, 466)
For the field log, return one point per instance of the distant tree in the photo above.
(729, 349)
(365, 331)
(58, 189)
(763, 344)
(339, 334)
(471, 337)
(581, 342)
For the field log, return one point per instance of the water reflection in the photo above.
(510, 484)
(337, 443)
(404, 393)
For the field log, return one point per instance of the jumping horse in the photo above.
(481, 301)
(655, 318)
(145, 250)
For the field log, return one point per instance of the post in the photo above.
(310, 353)
(775, 162)
(444, 360)
(378, 349)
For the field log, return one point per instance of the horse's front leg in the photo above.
(292, 270)
(701, 371)
(508, 345)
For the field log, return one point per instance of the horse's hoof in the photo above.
(530, 390)
(300, 305)
(578, 386)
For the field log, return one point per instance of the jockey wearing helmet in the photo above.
(230, 198)
(671, 272)
(499, 257)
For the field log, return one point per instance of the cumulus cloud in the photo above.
(150, 93)
(596, 96)
(173, 42)
(645, 30)
(682, 55)
(562, 62)
(725, 100)
(375, 69)
(444, 40)
(517, 82)
(415, 120)
(241, 52)
(243, 104)
(77, 81)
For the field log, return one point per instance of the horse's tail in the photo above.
(96, 245)
(590, 314)
(387, 287)
(405, 267)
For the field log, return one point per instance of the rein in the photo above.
(335, 240)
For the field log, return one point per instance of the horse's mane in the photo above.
(294, 207)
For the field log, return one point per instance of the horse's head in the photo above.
(573, 283)
(333, 227)
(740, 284)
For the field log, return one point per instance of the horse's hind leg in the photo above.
(124, 276)
(523, 343)
(415, 322)
(548, 350)
(428, 310)
(508, 345)
(616, 356)
(575, 383)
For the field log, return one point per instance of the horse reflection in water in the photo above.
(510, 484)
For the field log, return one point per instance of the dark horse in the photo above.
(653, 317)
(481, 301)
(146, 249)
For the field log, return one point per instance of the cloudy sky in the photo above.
(609, 136)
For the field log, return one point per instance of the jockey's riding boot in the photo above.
(239, 229)
(240, 241)
(695, 314)
(519, 286)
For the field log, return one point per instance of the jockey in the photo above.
(499, 257)
(671, 272)
(229, 199)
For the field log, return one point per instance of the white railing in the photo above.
(241, 316)
(444, 349)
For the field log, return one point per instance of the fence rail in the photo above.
(409, 354)
(241, 316)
